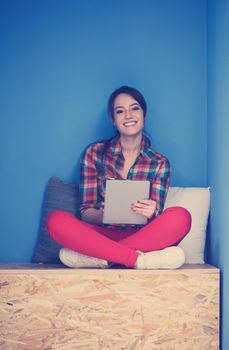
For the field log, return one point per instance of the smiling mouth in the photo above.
(129, 123)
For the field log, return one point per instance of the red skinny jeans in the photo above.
(119, 246)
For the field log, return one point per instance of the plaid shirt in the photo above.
(104, 160)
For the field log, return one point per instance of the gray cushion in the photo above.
(59, 195)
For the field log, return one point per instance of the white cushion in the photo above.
(197, 201)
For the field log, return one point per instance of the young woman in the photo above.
(128, 155)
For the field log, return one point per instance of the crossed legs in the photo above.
(119, 246)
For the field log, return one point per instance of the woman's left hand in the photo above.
(145, 207)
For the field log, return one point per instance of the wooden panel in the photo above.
(88, 309)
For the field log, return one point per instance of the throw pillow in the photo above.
(197, 201)
(59, 195)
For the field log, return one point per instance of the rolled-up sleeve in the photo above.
(160, 185)
(88, 181)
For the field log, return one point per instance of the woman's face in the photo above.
(128, 115)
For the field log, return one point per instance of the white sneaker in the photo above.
(73, 259)
(168, 258)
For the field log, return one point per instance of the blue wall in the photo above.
(218, 147)
(59, 62)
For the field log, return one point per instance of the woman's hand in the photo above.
(145, 207)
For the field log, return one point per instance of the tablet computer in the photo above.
(119, 196)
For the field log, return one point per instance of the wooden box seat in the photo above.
(51, 307)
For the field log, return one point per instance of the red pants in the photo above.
(118, 246)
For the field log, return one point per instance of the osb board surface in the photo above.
(109, 310)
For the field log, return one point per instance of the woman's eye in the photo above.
(119, 111)
(136, 108)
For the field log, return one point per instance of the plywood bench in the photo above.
(51, 307)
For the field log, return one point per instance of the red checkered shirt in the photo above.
(104, 160)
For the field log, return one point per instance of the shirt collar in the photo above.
(116, 148)
(145, 148)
